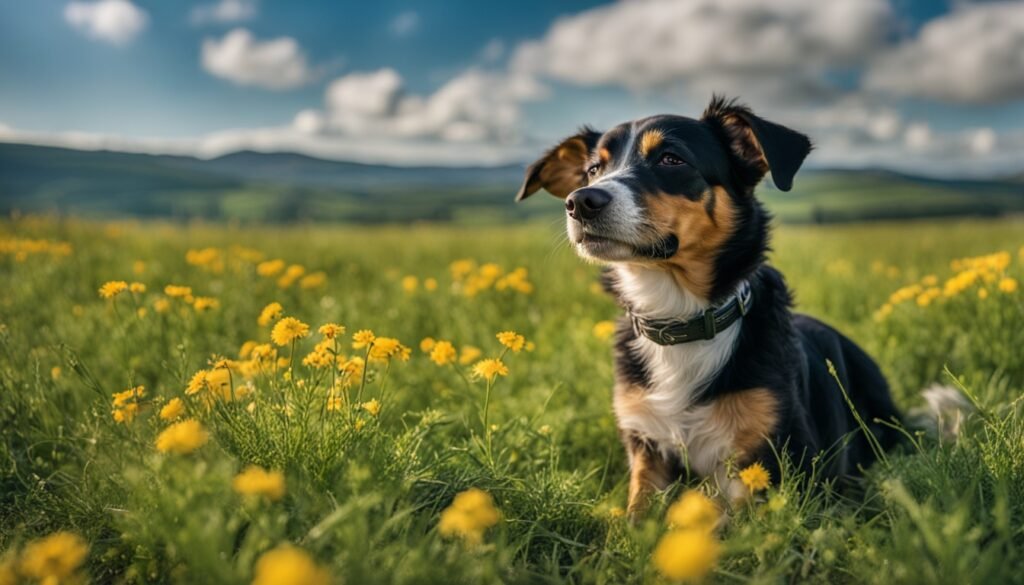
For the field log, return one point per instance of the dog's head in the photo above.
(673, 191)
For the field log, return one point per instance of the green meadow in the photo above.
(295, 456)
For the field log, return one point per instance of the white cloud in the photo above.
(405, 23)
(982, 141)
(112, 21)
(475, 106)
(224, 11)
(974, 55)
(705, 44)
(242, 59)
(918, 136)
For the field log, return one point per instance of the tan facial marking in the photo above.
(702, 227)
(650, 140)
(750, 415)
(605, 155)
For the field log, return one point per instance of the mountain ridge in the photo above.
(285, 186)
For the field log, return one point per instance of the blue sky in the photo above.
(922, 85)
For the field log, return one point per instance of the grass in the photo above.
(364, 492)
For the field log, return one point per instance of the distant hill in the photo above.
(253, 186)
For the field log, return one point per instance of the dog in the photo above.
(713, 369)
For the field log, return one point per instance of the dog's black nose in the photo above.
(587, 203)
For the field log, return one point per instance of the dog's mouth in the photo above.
(606, 248)
(602, 248)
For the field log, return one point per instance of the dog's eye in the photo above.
(592, 170)
(670, 160)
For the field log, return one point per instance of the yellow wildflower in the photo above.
(469, 354)
(430, 284)
(387, 347)
(175, 291)
(929, 295)
(182, 438)
(443, 353)
(113, 288)
(55, 558)
(205, 303)
(471, 513)
(982, 293)
(263, 353)
(197, 383)
(256, 481)
(604, 329)
(172, 410)
(207, 258)
(125, 414)
(372, 407)
(512, 340)
(55, 373)
(461, 268)
(353, 368)
(362, 338)
(246, 350)
(1008, 285)
(287, 565)
(321, 356)
(489, 369)
(137, 287)
(410, 284)
(131, 394)
(693, 510)
(218, 384)
(161, 305)
(269, 268)
(332, 330)
(427, 344)
(269, 314)
(490, 271)
(686, 555)
(126, 404)
(291, 274)
(288, 330)
(755, 477)
(313, 280)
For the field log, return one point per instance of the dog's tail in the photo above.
(944, 412)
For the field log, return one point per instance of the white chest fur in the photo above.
(666, 412)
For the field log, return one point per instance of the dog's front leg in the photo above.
(649, 471)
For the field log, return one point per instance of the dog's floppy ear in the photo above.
(760, 145)
(560, 171)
